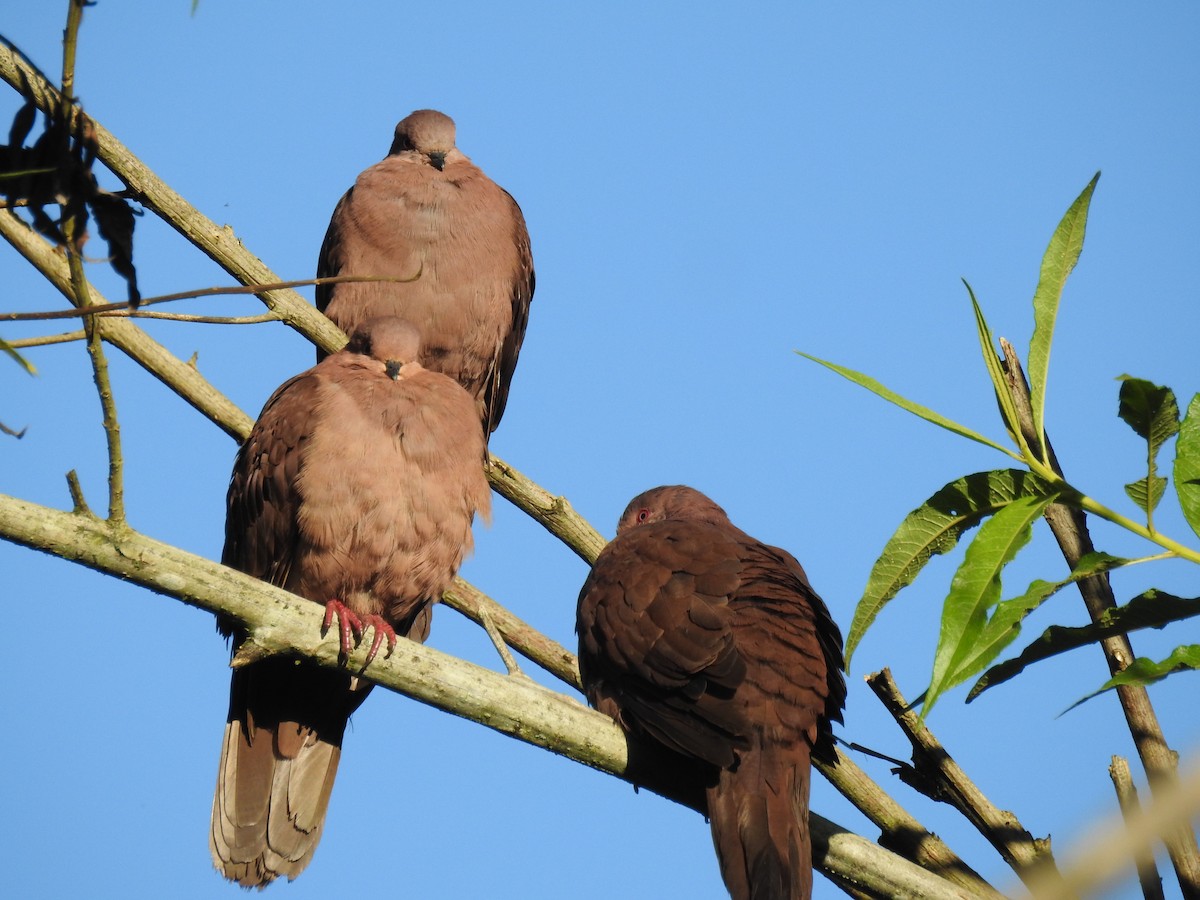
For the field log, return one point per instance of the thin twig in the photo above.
(1127, 797)
(936, 774)
(199, 320)
(47, 340)
(1069, 527)
(552, 656)
(73, 230)
(228, 290)
(160, 362)
(70, 44)
(497, 639)
(95, 349)
(900, 831)
(78, 501)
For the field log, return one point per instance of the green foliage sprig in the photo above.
(977, 625)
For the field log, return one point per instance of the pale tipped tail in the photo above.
(279, 757)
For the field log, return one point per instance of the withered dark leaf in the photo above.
(57, 171)
(22, 125)
(114, 220)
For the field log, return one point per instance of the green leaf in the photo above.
(1147, 492)
(1143, 671)
(1004, 625)
(8, 350)
(934, 528)
(1092, 563)
(1151, 411)
(916, 409)
(1153, 609)
(1187, 465)
(1061, 255)
(1008, 408)
(975, 589)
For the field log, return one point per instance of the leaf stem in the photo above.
(1174, 547)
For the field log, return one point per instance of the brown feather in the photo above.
(460, 241)
(713, 646)
(354, 486)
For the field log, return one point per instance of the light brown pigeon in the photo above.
(356, 489)
(429, 216)
(713, 646)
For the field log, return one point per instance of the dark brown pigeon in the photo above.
(356, 489)
(428, 215)
(700, 639)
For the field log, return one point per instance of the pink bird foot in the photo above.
(351, 629)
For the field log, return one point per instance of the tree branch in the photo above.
(554, 513)
(1127, 798)
(217, 242)
(900, 831)
(156, 359)
(941, 778)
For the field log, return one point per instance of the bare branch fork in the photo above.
(936, 774)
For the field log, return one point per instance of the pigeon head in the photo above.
(427, 132)
(390, 340)
(677, 501)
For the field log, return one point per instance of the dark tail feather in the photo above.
(279, 756)
(759, 816)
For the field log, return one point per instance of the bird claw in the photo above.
(382, 630)
(351, 629)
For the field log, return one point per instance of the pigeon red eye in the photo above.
(643, 515)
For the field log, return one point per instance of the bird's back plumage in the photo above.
(699, 638)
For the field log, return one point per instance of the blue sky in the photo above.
(707, 188)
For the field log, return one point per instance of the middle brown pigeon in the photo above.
(455, 244)
(356, 489)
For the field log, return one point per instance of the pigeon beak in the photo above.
(392, 367)
(438, 159)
